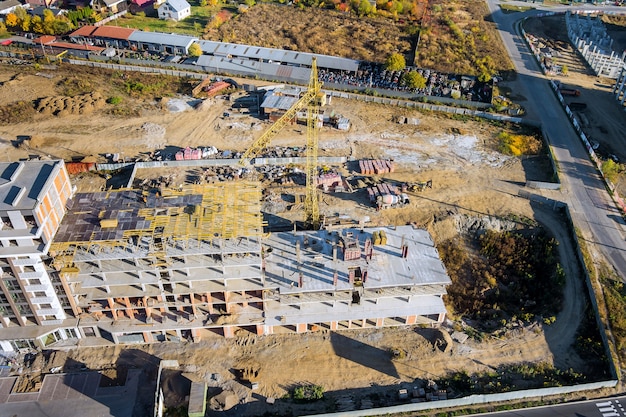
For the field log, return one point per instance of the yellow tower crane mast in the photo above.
(311, 100)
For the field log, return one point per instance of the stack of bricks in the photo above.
(381, 189)
(376, 166)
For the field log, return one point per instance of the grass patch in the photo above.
(193, 25)
(509, 8)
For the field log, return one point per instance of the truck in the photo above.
(569, 92)
(386, 201)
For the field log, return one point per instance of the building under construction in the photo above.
(191, 262)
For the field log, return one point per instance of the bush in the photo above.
(307, 393)
(115, 100)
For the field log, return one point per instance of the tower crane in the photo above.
(311, 101)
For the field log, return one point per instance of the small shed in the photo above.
(197, 399)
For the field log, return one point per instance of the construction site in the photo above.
(143, 265)
(256, 264)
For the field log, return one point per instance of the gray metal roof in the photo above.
(21, 183)
(277, 55)
(178, 5)
(169, 39)
(251, 67)
(279, 102)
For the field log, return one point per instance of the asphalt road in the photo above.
(583, 190)
(611, 407)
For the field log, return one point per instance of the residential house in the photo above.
(109, 6)
(39, 11)
(174, 9)
(8, 6)
(33, 198)
(43, 3)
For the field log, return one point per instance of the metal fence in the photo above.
(474, 400)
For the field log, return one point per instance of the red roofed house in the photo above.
(113, 36)
(82, 35)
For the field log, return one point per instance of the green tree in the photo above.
(195, 50)
(611, 170)
(365, 8)
(395, 62)
(414, 79)
(3, 30)
(61, 26)
(564, 70)
(21, 13)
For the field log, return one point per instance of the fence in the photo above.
(328, 160)
(474, 400)
(110, 18)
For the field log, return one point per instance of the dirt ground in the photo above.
(469, 177)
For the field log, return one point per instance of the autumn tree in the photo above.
(395, 62)
(11, 20)
(48, 22)
(36, 25)
(25, 23)
(414, 79)
(195, 50)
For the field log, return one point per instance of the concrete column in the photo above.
(228, 332)
(260, 330)
(441, 318)
(196, 337)
(301, 328)
(210, 303)
(245, 300)
(129, 308)
(147, 337)
(333, 325)
(226, 298)
(192, 300)
(411, 319)
(112, 307)
(380, 322)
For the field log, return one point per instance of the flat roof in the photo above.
(76, 46)
(193, 211)
(279, 102)
(78, 394)
(169, 39)
(249, 66)
(386, 268)
(22, 183)
(277, 55)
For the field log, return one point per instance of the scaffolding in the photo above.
(129, 220)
